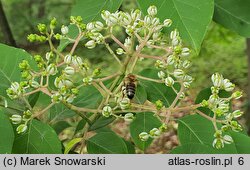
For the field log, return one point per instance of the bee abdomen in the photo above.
(130, 90)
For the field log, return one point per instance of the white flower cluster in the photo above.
(22, 120)
(221, 108)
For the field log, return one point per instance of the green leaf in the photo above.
(106, 143)
(80, 125)
(33, 99)
(156, 91)
(130, 147)
(197, 129)
(143, 122)
(9, 70)
(190, 17)
(194, 149)
(60, 126)
(71, 144)
(7, 134)
(140, 94)
(241, 142)
(233, 15)
(40, 138)
(91, 10)
(101, 122)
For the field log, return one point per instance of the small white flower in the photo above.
(174, 34)
(167, 22)
(154, 133)
(170, 60)
(124, 103)
(128, 42)
(175, 41)
(186, 63)
(218, 143)
(68, 59)
(48, 55)
(90, 26)
(156, 36)
(35, 84)
(178, 73)
(106, 111)
(87, 80)
(120, 51)
(237, 113)
(135, 15)
(129, 117)
(237, 95)
(16, 119)
(70, 98)
(169, 81)
(228, 86)
(161, 74)
(51, 69)
(227, 139)
(105, 15)
(144, 136)
(21, 128)
(152, 10)
(99, 26)
(90, 44)
(155, 22)
(64, 30)
(217, 80)
(185, 52)
(77, 61)
(69, 70)
(147, 20)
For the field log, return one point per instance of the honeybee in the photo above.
(130, 86)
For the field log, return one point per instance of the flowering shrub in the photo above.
(148, 100)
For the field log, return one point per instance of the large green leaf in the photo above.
(39, 139)
(106, 143)
(156, 91)
(190, 17)
(140, 94)
(7, 134)
(233, 15)
(143, 122)
(91, 10)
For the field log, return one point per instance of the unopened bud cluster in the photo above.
(21, 121)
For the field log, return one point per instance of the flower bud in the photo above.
(129, 117)
(178, 73)
(158, 104)
(147, 20)
(170, 60)
(125, 103)
(53, 23)
(68, 59)
(56, 98)
(174, 34)
(90, 26)
(42, 28)
(51, 69)
(163, 127)
(77, 61)
(21, 128)
(235, 126)
(161, 74)
(144, 136)
(186, 63)
(120, 51)
(64, 30)
(90, 44)
(16, 119)
(156, 36)
(167, 22)
(135, 14)
(185, 52)
(169, 81)
(217, 80)
(99, 26)
(236, 95)
(106, 111)
(237, 113)
(154, 133)
(58, 36)
(27, 114)
(228, 86)
(105, 15)
(87, 80)
(155, 22)
(218, 143)
(24, 65)
(227, 139)
(152, 10)
(204, 103)
(69, 70)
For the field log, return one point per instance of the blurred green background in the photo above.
(222, 50)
